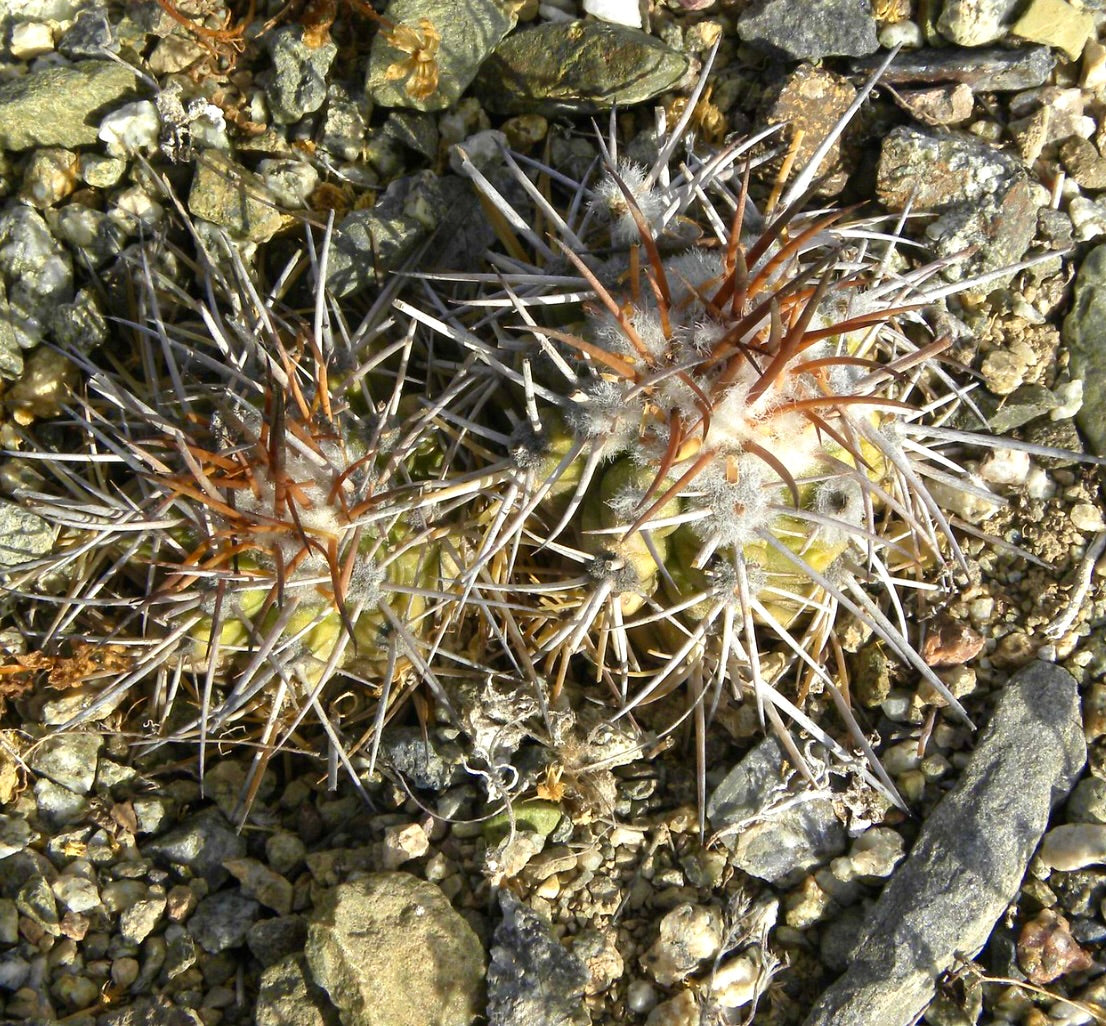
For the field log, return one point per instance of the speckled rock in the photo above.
(23, 535)
(227, 194)
(810, 100)
(532, 978)
(68, 759)
(297, 84)
(975, 22)
(804, 31)
(289, 997)
(773, 836)
(970, 856)
(38, 276)
(466, 34)
(577, 66)
(222, 920)
(982, 195)
(61, 106)
(1084, 332)
(1084, 163)
(390, 951)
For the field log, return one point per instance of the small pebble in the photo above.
(641, 997)
(1086, 517)
(30, 39)
(132, 128)
(906, 34)
(1074, 846)
(682, 1010)
(1009, 467)
(689, 935)
(734, 983)
(617, 12)
(403, 843)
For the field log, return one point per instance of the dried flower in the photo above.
(420, 67)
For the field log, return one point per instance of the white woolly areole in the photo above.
(610, 201)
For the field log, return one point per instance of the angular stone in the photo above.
(776, 843)
(390, 951)
(577, 66)
(1084, 332)
(23, 535)
(298, 82)
(532, 977)
(805, 31)
(61, 106)
(1056, 23)
(431, 73)
(69, 759)
(970, 856)
(289, 997)
(234, 198)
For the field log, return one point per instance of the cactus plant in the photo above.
(248, 507)
(723, 429)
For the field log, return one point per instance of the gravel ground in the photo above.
(130, 892)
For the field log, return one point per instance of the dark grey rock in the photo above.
(776, 833)
(370, 243)
(532, 977)
(150, 1012)
(343, 128)
(297, 83)
(579, 66)
(1025, 403)
(414, 130)
(36, 274)
(201, 845)
(982, 196)
(1084, 333)
(90, 35)
(289, 997)
(466, 34)
(390, 951)
(271, 940)
(986, 71)
(417, 759)
(970, 856)
(62, 106)
(805, 31)
(222, 920)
